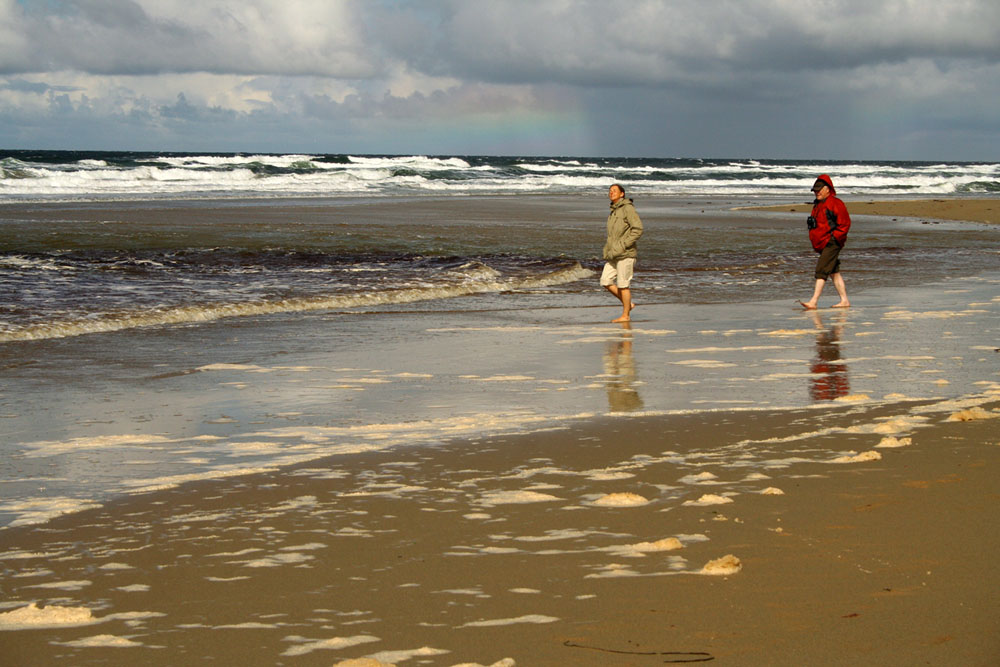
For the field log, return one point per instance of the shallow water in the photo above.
(71, 270)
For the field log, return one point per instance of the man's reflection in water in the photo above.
(829, 379)
(619, 367)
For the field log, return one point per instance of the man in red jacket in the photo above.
(828, 227)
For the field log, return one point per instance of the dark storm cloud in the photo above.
(652, 43)
(896, 78)
(582, 42)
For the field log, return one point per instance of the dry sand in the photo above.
(974, 210)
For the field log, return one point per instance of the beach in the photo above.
(883, 561)
(494, 474)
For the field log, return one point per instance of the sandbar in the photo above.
(971, 210)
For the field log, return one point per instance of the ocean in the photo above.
(101, 176)
(336, 331)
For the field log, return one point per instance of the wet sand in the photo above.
(555, 548)
(972, 210)
(484, 207)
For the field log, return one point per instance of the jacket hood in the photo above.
(829, 182)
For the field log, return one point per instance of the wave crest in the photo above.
(486, 280)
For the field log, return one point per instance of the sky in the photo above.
(831, 79)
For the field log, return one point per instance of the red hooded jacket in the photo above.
(829, 219)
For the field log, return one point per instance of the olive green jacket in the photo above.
(624, 229)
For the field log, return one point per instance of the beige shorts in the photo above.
(618, 273)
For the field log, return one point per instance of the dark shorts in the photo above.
(829, 260)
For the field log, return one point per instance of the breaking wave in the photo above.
(484, 281)
(86, 176)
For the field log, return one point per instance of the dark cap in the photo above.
(818, 185)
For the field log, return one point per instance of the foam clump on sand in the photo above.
(621, 500)
(134, 588)
(892, 441)
(363, 662)
(852, 398)
(101, 641)
(971, 414)
(889, 426)
(699, 478)
(496, 622)
(516, 497)
(305, 646)
(724, 566)
(859, 458)
(602, 476)
(666, 544)
(33, 616)
(506, 662)
(391, 658)
(708, 499)
(115, 566)
(772, 491)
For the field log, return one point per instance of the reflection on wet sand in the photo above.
(829, 380)
(619, 367)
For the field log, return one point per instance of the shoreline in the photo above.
(248, 406)
(956, 209)
(444, 485)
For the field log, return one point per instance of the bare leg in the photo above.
(811, 303)
(838, 282)
(624, 295)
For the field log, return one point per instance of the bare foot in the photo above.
(807, 306)
(842, 304)
(623, 318)
(631, 305)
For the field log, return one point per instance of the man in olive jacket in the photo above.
(624, 229)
